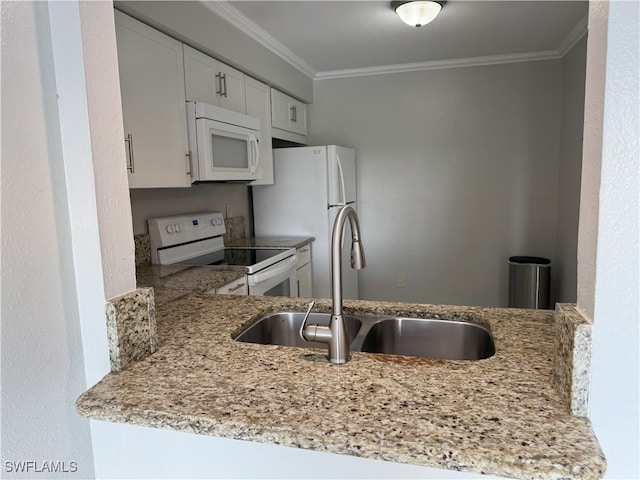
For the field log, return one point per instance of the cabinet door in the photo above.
(153, 105)
(305, 282)
(259, 106)
(213, 82)
(237, 287)
(287, 113)
(202, 85)
(233, 93)
(299, 124)
(304, 255)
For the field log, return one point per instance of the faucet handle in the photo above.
(304, 320)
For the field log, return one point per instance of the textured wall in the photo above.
(107, 146)
(44, 273)
(614, 255)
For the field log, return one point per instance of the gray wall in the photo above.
(157, 202)
(573, 81)
(457, 171)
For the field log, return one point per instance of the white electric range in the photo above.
(196, 239)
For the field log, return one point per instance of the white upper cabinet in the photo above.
(288, 117)
(259, 106)
(153, 105)
(213, 82)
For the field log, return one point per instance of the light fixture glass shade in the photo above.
(419, 12)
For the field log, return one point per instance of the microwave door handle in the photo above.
(255, 153)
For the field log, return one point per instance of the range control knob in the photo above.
(178, 227)
(170, 229)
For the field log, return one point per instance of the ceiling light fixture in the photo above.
(417, 13)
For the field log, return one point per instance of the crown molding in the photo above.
(575, 35)
(238, 20)
(439, 64)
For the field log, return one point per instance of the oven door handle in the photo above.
(274, 271)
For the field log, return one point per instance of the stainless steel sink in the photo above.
(418, 337)
(282, 328)
(429, 338)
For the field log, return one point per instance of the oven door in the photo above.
(278, 280)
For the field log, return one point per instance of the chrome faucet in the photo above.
(335, 335)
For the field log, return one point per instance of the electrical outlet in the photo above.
(400, 281)
(229, 211)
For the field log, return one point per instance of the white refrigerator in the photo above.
(311, 185)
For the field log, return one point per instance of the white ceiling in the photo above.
(342, 38)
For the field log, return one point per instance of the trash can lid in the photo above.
(534, 260)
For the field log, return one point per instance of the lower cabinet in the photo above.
(237, 287)
(304, 272)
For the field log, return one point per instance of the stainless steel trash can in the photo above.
(529, 279)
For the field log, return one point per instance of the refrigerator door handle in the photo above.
(344, 193)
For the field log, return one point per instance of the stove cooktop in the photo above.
(253, 259)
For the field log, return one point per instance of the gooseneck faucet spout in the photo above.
(358, 261)
(335, 335)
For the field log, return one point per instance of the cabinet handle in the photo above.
(293, 114)
(129, 141)
(188, 155)
(236, 288)
(219, 83)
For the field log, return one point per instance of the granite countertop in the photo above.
(499, 416)
(270, 242)
(173, 281)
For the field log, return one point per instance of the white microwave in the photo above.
(223, 144)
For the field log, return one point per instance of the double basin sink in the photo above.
(417, 337)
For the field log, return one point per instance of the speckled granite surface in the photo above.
(501, 416)
(572, 358)
(142, 249)
(270, 242)
(235, 228)
(131, 328)
(174, 281)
